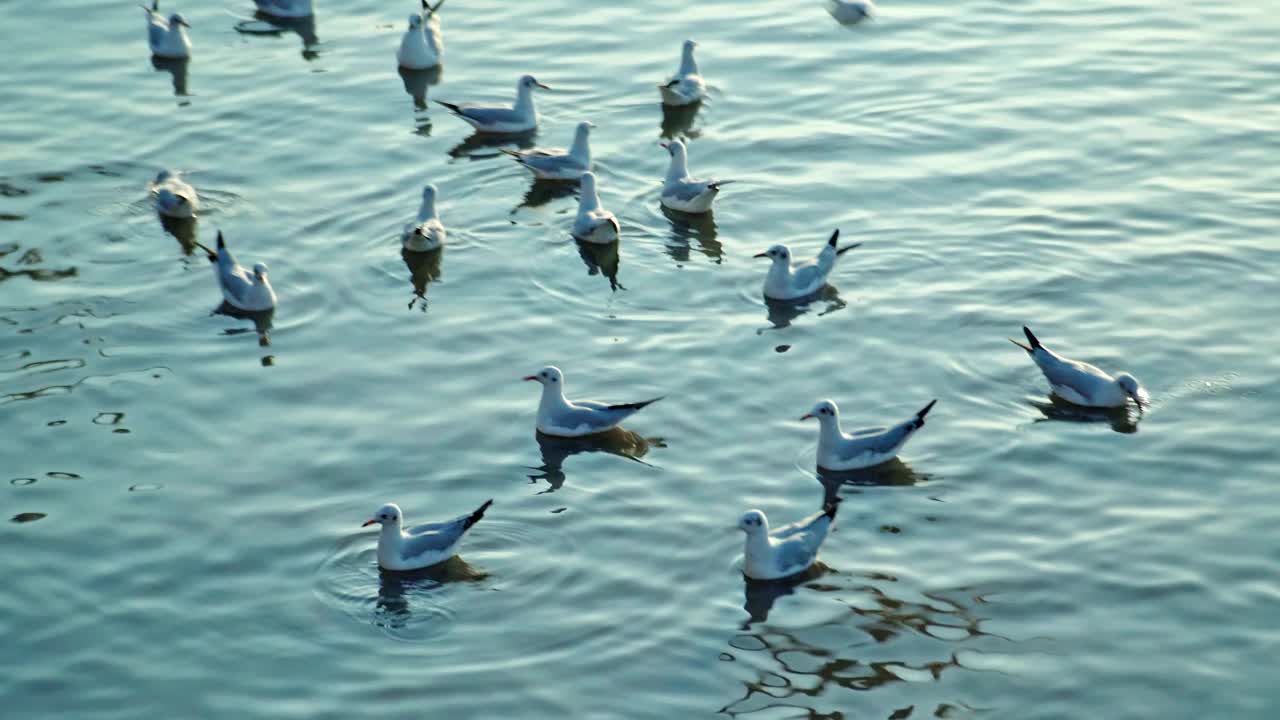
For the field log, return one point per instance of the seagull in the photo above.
(684, 193)
(422, 47)
(519, 118)
(173, 197)
(864, 448)
(787, 281)
(285, 8)
(241, 289)
(427, 232)
(1081, 383)
(556, 164)
(168, 38)
(788, 550)
(421, 546)
(686, 86)
(562, 418)
(851, 11)
(594, 224)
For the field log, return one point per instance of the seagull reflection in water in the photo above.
(261, 321)
(424, 268)
(678, 119)
(1053, 408)
(416, 83)
(893, 473)
(699, 228)
(177, 67)
(602, 259)
(543, 191)
(182, 229)
(617, 441)
(264, 23)
(397, 588)
(762, 594)
(782, 313)
(491, 141)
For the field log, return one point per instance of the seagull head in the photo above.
(389, 513)
(163, 176)
(675, 148)
(260, 271)
(752, 522)
(549, 376)
(176, 19)
(689, 45)
(1129, 384)
(429, 193)
(415, 22)
(824, 410)
(777, 253)
(529, 82)
(587, 182)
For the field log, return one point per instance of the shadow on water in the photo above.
(261, 321)
(781, 313)
(182, 229)
(602, 259)
(491, 141)
(424, 268)
(177, 68)
(678, 121)
(396, 590)
(555, 450)
(544, 191)
(893, 473)
(685, 228)
(795, 667)
(416, 83)
(264, 23)
(1122, 420)
(762, 594)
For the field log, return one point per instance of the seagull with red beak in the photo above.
(420, 546)
(838, 451)
(562, 418)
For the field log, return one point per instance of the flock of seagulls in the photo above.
(769, 553)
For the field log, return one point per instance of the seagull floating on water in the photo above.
(838, 451)
(519, 118)
(594, 224)
(563, 418)
(242, 289)
(785, 551)
(285, 8)
(790, 281)
(426, 233)
(173, 197)
(1081, 383)
(168, 38)
(555, 163)
(682, 192)
(422, 46)
(421, 546)
(686, 86)
(851, 11)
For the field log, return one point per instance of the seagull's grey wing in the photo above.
(489, 115)
(1080, 377)
(234, 279)
(796, 554)
(156, 32)
(878, 440)
(689, 189)
(801, 527)
(433, 540)
(808, 274)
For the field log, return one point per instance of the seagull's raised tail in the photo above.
(924, 411)
(479, 513)
(451, 107)
(1035, 344)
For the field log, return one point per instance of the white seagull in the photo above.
(686, 86)
(555, 163)
(865, 448)
(1081, 383)
(682, 192)
(594, 224)
(562, 418)
(426, 233)
(519, 118)
(422, 46)
(285, 8)
(168, 38)
(173, 197)
(786, 551)
(421, 546)
(851, 11)
(242, 289)
(790, 281)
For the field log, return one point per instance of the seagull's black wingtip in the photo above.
(925, 410)
(1035, 343)
(474, 517)
(450, 106)
(221, 243)
(834, 236)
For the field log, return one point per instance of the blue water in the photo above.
(186, 505)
